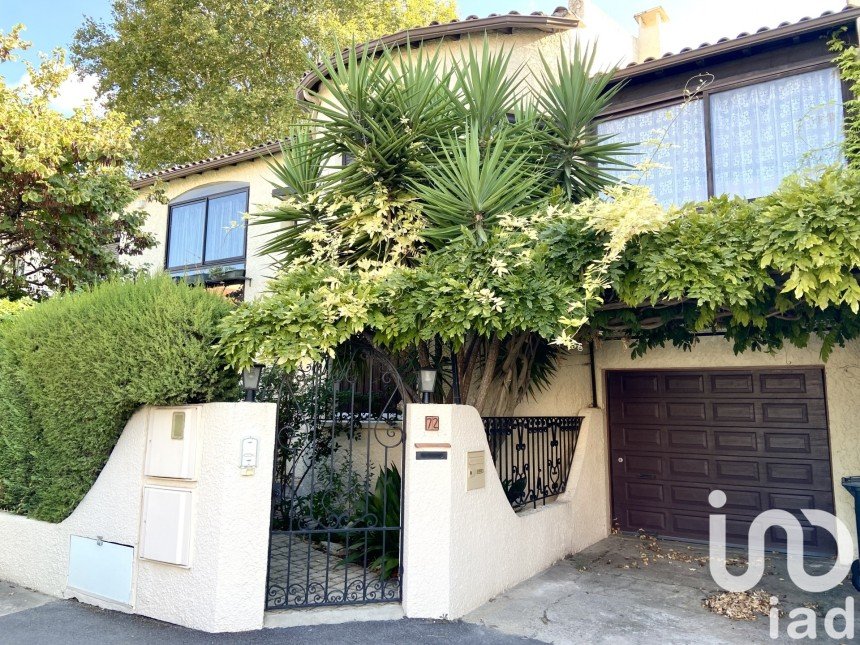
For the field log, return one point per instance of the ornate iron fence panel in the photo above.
(532, 455)
(336, 526)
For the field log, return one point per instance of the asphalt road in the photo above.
(64, 622)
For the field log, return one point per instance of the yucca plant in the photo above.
(439, 150)
(297, 176)
(456, 142)
(469, 185)
(571, 95)
(487, 89)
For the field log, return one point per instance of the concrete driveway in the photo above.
(638, 590)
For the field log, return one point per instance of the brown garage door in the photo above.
(759, 435)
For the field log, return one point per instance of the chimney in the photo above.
(650, 23)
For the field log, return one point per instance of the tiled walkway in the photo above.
(300, 574)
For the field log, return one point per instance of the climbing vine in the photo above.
(848, 61)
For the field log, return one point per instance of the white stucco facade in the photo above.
(223, 589)
(256, 175)
(458, 543)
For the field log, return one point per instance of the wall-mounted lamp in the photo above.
(251, 381)
(427, 384)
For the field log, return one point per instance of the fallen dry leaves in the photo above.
(739, 605)
(650, 550)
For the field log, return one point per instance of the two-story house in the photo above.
(771, 430)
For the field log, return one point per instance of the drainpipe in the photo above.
(455, 378)
(593, 374)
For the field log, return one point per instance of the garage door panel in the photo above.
(691, 525)
(638, 384)
(696, 468)
(729, 471)
(815, 539)
(760, 435)
(648, 520)
(787, 443)
(638, 465)
(807, 383)
(747, 501)
(760, 384)
(686, 439)
(637, 492)
(725, 470)
(640, 438)
(770, 413)
(732, 383)
(694, 497)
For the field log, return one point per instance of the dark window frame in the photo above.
(666, 101)
(203, 263)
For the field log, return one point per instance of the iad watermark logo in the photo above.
(804, 623)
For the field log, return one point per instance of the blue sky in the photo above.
(51, 23)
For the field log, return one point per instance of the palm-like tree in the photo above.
(394, 134)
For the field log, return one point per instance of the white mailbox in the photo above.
(172, 442)
(167, 525)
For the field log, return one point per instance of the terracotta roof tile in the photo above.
(746, 34)
(209, 163)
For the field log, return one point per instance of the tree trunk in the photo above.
(488, 373)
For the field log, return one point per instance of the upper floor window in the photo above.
(764, 132)
(759, 134)
(207, 231)
(669, 157)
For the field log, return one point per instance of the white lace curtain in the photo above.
(670, 155)
(764, 132)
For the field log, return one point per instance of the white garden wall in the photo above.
(462, 547)
(223, 589)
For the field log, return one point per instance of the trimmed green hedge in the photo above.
(73, 369)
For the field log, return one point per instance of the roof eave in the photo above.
(777, 33)
(214, 163)
(457, 28)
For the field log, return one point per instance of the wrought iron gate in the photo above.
(336, 531)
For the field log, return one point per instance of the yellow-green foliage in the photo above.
(848, 61)
(156, 61)
(66, 218)
(9, 308)
(74, 368)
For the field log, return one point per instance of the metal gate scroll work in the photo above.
(336, 500)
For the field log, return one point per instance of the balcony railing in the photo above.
(532, 456)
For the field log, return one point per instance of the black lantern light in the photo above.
(251, 381)
(427, 384)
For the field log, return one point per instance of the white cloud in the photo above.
(74, 92)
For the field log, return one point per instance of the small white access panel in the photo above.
(172, 443)
(166, 526)
(101, 569)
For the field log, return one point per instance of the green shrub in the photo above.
(9, 308)
(73, 369)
